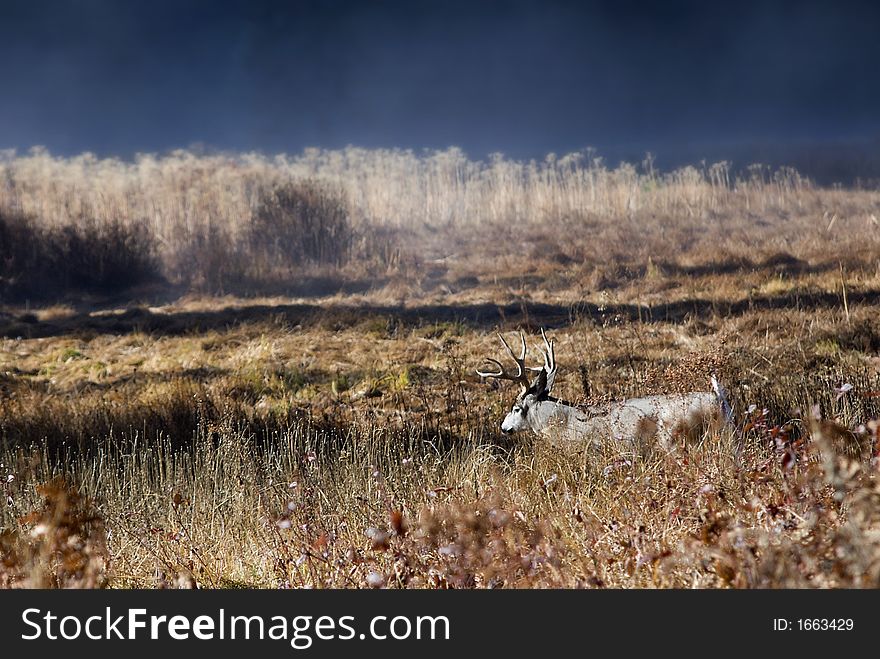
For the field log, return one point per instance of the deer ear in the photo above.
(539, 384)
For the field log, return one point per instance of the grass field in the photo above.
(236, 371)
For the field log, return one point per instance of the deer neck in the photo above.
(548, 411)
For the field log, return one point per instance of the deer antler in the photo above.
(520, 376)
(549, 360)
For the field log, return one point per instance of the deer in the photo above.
(661, 418)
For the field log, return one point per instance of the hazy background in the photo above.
(779, 82)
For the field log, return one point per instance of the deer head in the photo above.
(531, 393)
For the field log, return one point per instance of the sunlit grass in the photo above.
(322, 426)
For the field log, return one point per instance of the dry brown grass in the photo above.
(443, 221)
(341, 439)
(270, 455)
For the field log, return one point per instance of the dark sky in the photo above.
(524, 78)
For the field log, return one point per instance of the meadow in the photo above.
(238, 371)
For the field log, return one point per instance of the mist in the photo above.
(776, 82)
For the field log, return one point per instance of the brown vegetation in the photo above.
(330, 221)
(336, 434)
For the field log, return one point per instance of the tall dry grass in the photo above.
(181, 192)
(443, 201)
(262, 455)
(369, 507)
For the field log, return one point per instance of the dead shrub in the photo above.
(62, 544)
(298, 230)
(301, 223)
(86, 256)
(486, 543)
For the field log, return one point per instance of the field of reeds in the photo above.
(243, 371)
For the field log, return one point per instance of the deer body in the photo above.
(659, 418)
(635, 419)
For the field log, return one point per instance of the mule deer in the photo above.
(636, 419)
